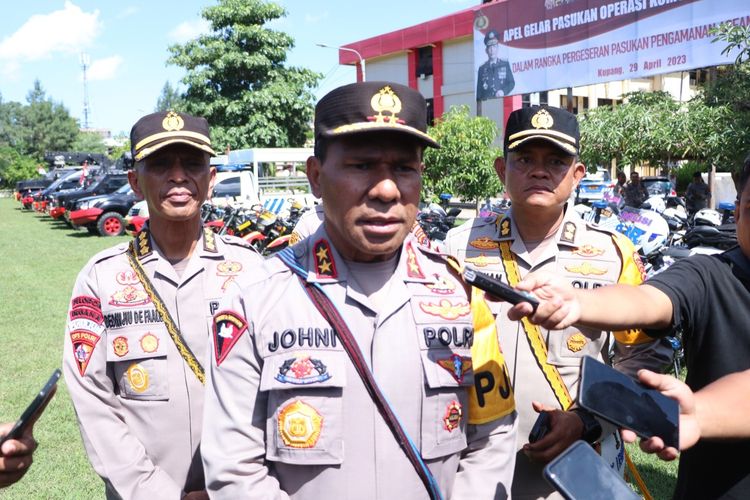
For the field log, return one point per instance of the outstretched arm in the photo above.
(615, 307)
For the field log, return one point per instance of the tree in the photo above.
(170, 99)
(45, 125)
(15, 167)
(89, 142)
(237, 80)
(464, 164)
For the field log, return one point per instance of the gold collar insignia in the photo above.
(325, 267)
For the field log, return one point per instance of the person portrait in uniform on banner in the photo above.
(348, 370)
(494, 77)
(540, 169)
(140, 317)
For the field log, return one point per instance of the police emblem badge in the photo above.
(84, 342)
(228, 328)
(456, 365)
(149, 343)
(302, 370)
(299, 425)
(576, 342)
(137, 377)
(120, 346)
(446, 309)
(453, 414)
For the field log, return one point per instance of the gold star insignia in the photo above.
(322, 253)
(325, 267)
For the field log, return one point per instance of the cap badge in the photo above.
(542, 119)
(387, 101)
(172, 121)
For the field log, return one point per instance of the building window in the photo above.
(579, 103)
(535, 99)
(608, 102)
(430, 111)
(698, 77)
(424, 61)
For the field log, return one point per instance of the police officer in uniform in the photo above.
(539, 171)
(494, 78)
(288, 414)
(140, 317)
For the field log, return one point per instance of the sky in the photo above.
(126, 46)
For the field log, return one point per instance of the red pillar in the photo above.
(411, 67)
(437, 79)
(358, 66)
(510, 104)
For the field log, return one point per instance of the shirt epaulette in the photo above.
(110, 252)
(236, 241)
(477, 223)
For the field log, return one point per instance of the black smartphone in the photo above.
(498, 288)
(626, 403)
(540, 428)
(579, 472)
(32, 412)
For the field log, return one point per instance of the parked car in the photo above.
(592, 186)
(103, 184)
(658, 185)
(104, 214)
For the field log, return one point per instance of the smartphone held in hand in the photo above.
(32, 412)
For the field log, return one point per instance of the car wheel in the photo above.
(111, 224)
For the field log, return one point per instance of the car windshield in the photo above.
(657, 186)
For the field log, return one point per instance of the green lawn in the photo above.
(41, 258)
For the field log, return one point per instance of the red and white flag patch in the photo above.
(228, 328)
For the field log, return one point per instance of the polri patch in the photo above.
(302, 370)
(453, 414)
(228, 328)
(84, 342)
(299, 425)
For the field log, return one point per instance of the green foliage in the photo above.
(736, 37)
(116, 153)
(89, 142)
(170, 99)
(15, 167)
(45, 125)
(650, 127)
(463, 166)
(237, 80)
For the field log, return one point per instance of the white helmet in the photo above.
(707, 217)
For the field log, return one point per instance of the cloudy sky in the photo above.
(125, 45)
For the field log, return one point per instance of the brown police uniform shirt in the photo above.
(589, 259)
(139, 405)
(287, 415)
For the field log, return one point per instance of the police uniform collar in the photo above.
(323, 263)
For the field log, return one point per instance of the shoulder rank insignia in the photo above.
(502, 225)
(588, 250)
(585, 269)
(483, 243)
(452, 418)
(299, 425)
(413, 270)
(568, 232)
(209, 241)
(446, 309)
(228, 328)
(142, 244)
(576, 342)
(325, 267)
(483, 260)
(456, 365)
(302, 370)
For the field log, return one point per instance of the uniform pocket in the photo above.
(448, 372)
(139, 359)
(568, 347)
(305, 411)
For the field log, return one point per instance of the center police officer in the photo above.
(287, 413)
(540, 170)
(140, 317)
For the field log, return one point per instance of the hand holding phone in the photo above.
(541, 427)
(579, 472)
(498, 288)
(34, 410)
(621, 400)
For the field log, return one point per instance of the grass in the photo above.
(41, 259)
